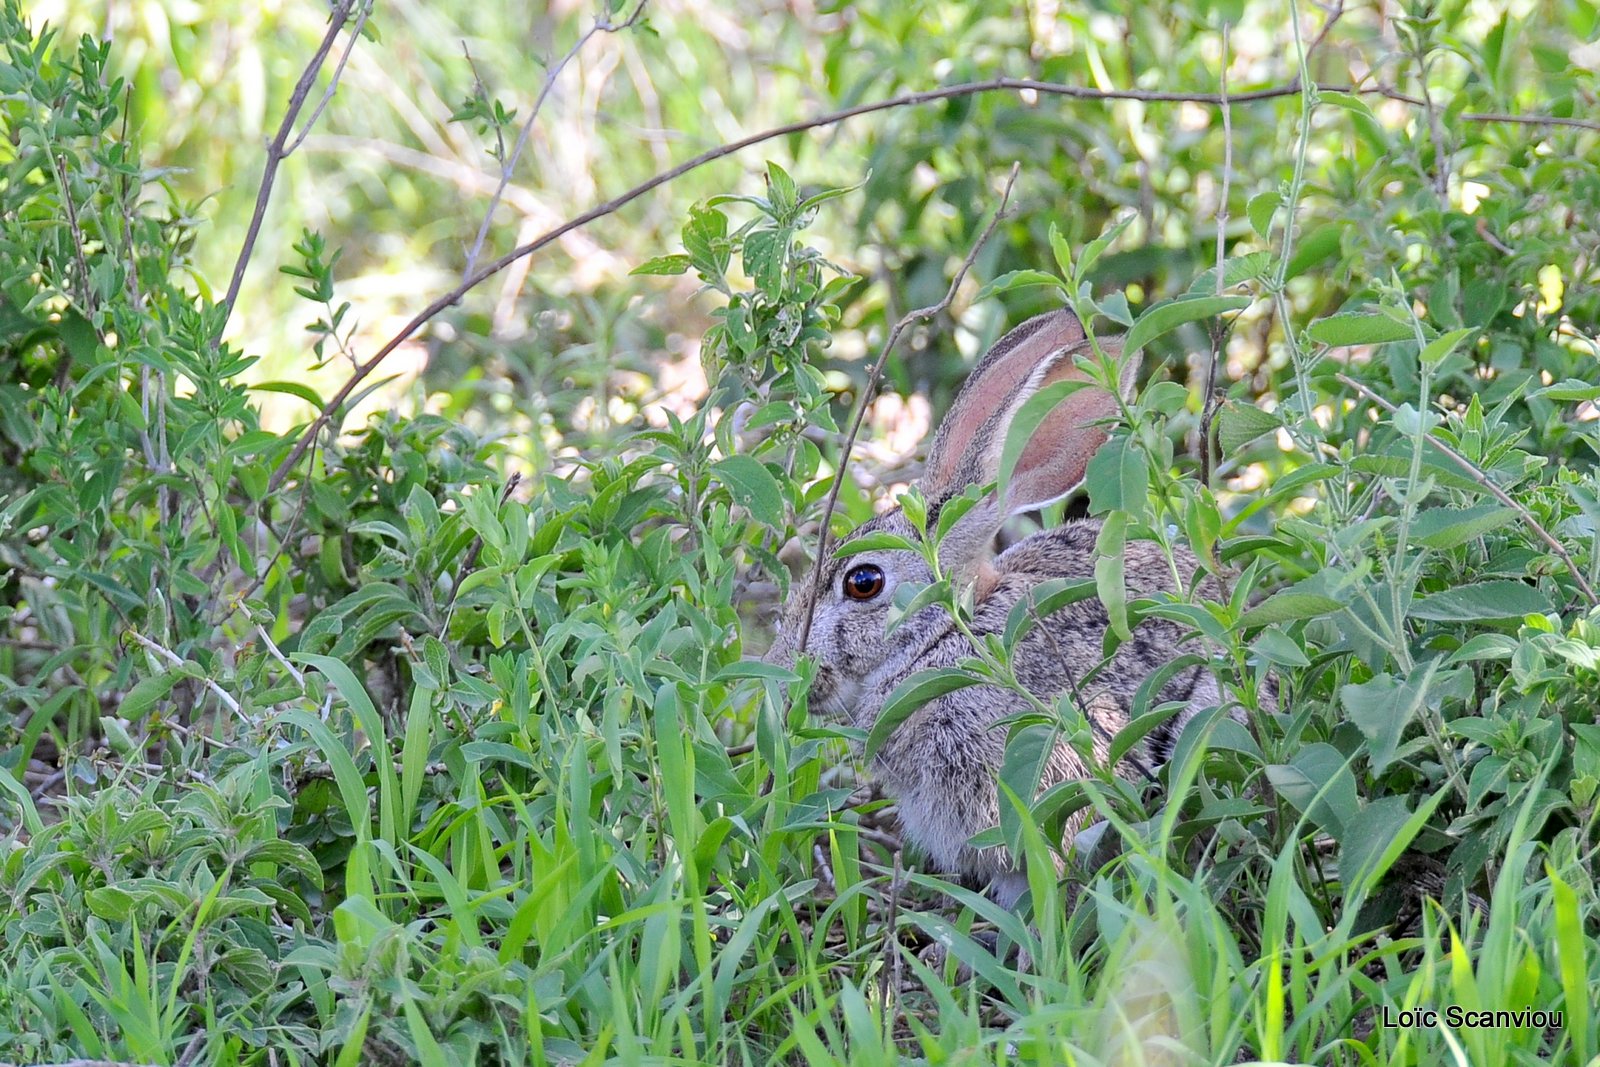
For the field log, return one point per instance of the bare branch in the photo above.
(276, 150)
(1478, 475)
(867, 391)
(602, 24)
(1218, 329)
(177, 661)
(333, 83)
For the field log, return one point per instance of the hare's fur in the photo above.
(940, 765)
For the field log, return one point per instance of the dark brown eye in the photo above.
(863, 582)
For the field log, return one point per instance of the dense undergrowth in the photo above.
(384, 756)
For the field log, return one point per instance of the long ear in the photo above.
(966, 449)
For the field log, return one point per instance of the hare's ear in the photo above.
(966, 449)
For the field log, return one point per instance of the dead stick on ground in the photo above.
(868, 388)
(1478, 475)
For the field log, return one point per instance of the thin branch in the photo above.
(602, 24)
(1478, 475)
(86, 295)
(177, 661)
(1218, 329)
(333, 83)
(1388, 92)
(867, 390)
(947, 92)
(276, 152)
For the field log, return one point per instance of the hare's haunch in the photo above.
(940, 764)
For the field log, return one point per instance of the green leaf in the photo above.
(1017, 279)
(1481, 602)
(1118, 478)
(877, 541)
(1381, 709)
(1033, 411)
(763, 259)
(1239, 424)
(1358, 328)
(1443, 345)
(1568, 389)
(911, 694)
(1318, 783)
(1287, 605)
(1110, 547)
(1444, 528)
(781, 189)
(752, 485)
(1250, 267)
(1261, 208)
(1275, 646)
(1164, 318)
(144, 695)
(304, 392)
(676, 263)
(1095, 248)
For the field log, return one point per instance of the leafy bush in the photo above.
(349, 747)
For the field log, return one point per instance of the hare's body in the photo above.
(941, 763)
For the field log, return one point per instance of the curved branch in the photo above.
(946, 92)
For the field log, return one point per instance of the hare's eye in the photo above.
(863, 582)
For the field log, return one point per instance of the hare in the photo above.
(940, 764)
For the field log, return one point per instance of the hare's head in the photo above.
(847, 635)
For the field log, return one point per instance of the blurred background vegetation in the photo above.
(397, 178)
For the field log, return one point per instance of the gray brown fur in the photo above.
(940, 764)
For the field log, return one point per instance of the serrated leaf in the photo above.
(1275, 646)
(752, 486)
(1239, 424)
(1250, 267)
(676, 263)
(1164, 318)
(1381, 709)
(1482, 602)
(911, 694)
(1358, 328)
(1444, 528)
